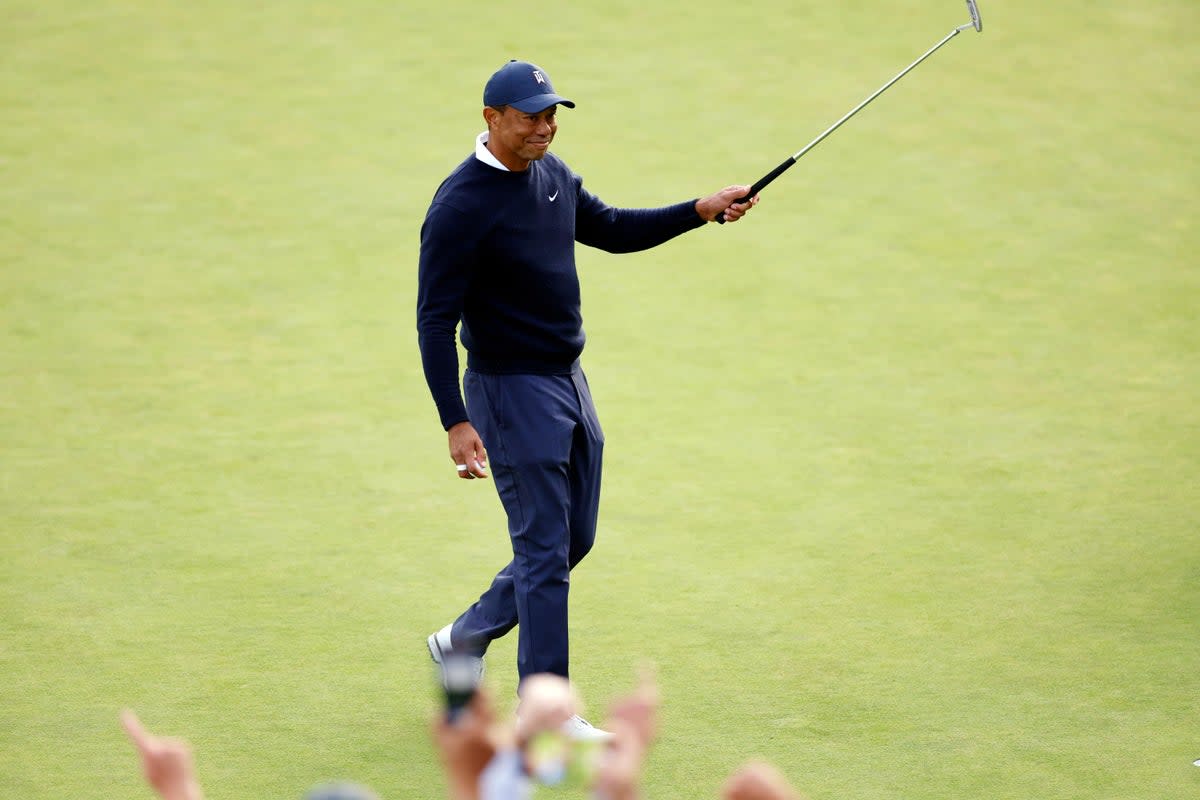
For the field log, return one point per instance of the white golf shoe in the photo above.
(440, 649)
(580, 730)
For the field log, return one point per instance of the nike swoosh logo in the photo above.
(554, 196)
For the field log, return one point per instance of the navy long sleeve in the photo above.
(498, 255)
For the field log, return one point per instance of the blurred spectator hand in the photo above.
(547, 702)
(639, 709)
(466, 745)
(166, 763)
(633, 721)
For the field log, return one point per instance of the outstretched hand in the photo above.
(720, 204)
(633, 721)
(639, 708)
(166, 763)
(467, 745)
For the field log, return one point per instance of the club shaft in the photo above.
(877, 92)
(762, 182)
(775, 173)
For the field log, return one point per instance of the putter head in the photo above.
(973, 7)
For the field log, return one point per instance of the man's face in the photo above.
(516, 137)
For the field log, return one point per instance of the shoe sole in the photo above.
(435, 649)
(584, 731)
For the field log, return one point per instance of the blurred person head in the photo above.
(758, 780)
(340, 790)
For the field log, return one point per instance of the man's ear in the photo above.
(491, 116)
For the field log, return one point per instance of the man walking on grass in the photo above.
(498, 258)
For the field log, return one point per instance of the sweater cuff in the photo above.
(453, 414)
(694, 219)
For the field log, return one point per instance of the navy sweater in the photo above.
(498, 254)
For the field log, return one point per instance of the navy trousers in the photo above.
(545, 447)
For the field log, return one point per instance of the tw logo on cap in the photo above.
(524, 86)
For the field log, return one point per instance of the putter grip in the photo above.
(759, 185)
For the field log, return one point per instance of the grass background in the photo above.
(903, 476)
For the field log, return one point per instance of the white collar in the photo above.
(485, 155)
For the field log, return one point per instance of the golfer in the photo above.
(498, 257)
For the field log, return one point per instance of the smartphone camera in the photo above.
(460, 679)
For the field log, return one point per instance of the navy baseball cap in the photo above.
(524, 86)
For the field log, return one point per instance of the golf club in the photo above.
(762, 182)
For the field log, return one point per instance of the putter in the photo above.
(762, 182)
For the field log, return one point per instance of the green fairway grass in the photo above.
(902, 485)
